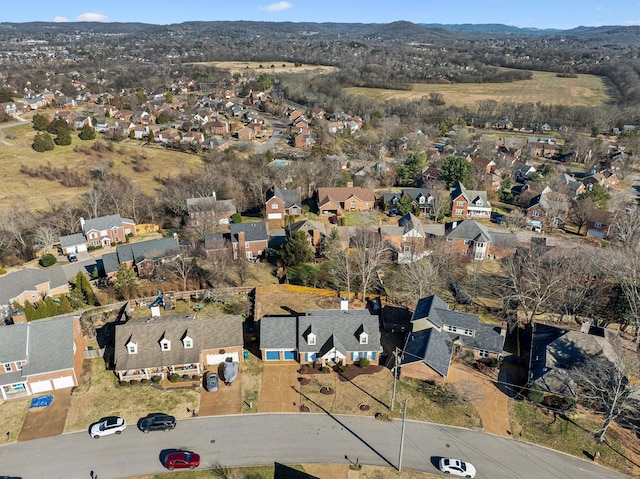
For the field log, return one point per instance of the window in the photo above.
(451, 329)
(274, 206)
(459, 212)
(19, 363)
(353, 205)
(132, 348)
(483, 354)
(165, 344)
(459, 203)
(7, 367)
(246, 245)
(188, 343)
(536, 213)
(479, 202)
(468, 332)
(249, 254)
(93, 235)
(467, 242)
(364, 338)
(421, 200)
(311, 339)
(598, 224)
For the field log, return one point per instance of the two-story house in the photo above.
(40, 356)
(547, 209)
(338, 200)
(476, 241)
(249, 240)
(326, 337)
(281, 203)
(106, 230)
(210, 210)
(599, 223)
(175, 344)
(438, 332)
(469, 203)
(407, 237)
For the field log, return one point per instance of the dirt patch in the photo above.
(354, 371)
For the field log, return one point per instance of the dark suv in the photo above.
(157, 422)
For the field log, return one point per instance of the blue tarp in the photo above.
(42, 401)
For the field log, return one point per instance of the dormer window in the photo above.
(187, 342)
(132, 347)
(364, 338)
(165, 344)
(311, 339)
(479, 202)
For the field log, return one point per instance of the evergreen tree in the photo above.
(126, 281)
(405, 205)
(65, 305)
(83, 284)
(296, 250)
(40, 122)
(454, 169)
(42, 142)
(76, 298)
(53, 309)
(63, 139)
(87, 133)
(29, 311)
(41, 310)
(412, 168)
(58, 126)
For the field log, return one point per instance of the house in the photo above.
(30, 285)
(144, 256)
(484, 166)
(421, 199)
(544, 210)
(476, 241)
(437, 333)
(106, 230)
(303, 140)
(523, 172)
(80, 121)
(40, 356)
(208, 210)
(217, 127)
(469, 203)
(338, 200)
(599, 223)
(321, 336)
(175, 344)
(214, 144)
(246, 134)
(281, 203)
(555, 351)
(315, 231)
(249, 240)
(408, 238)
(504, 125)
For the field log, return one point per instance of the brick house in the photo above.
(469, 203)
(144, 256)
(175, 344)
(281, 203)
(30, 285)
(106, 230)
(407, 238)
(315, 231)
(321, 336)
(246, 134)
(438, 332)
(303, 140)
(545, 211)
(599, 223)
(40, 356)
(476, 241)
(248, 240)
(338, 200)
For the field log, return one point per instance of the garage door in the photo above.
(290, 355)
(274, 216)
(273, 355)
(40, 386)
(65, 382)
(213, 359)
(596, 233)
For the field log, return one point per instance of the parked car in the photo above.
(72, 257)
(211, 381)
(181, 460)
(157, 422)
(110, 425)
(457, 467)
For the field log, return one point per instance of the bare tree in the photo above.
(579, 212)
(417, 279)
(183, 267)
(368, 256)
(515, 219)
(626, 226)
(44, 237)
(624, 267)
(336, 250)
(556, 209)
(604, 385)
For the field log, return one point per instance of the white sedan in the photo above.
(110, 425)
(457, 467)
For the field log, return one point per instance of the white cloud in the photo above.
(277, 7)
(59, 19)
(633, 22)
(91, 17)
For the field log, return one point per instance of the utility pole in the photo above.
(404, 417)
(395, 377)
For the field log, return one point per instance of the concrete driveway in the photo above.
(226, 400)
(47, 421)
(276, 391)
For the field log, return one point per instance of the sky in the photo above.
(561, 14)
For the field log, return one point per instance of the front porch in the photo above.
(164, 371)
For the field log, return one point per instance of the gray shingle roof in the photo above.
(105, 222)
(471, 230)
(256, 231)
(289, 197)
(151, 249)
(278, 332)
(12, 285)
(430, 346)
(206, 332)
(49, 347)
(72, 240)
(210, 203)
(110, 263)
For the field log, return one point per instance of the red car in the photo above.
(181, 460)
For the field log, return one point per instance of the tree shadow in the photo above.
(346, 379)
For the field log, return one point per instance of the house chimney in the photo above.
(242, 251)
(316, 238)
(344, 304)
(176, 237)
(82, 224)
(349, 184)
(213, 195)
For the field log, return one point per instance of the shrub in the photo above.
(156, 379)
(195, 377)
(468, 357)
(326, 369)
(569, 404)
(495, 362)
(47, 260)
(123, 383)
(342, 368)
(134, 382)
(186, 377)
(535, 393)
(3, 271)
(174, 378)
(364, 363)
(144, 381)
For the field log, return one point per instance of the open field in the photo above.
(544, 87)
(36, 193)
(271, 67)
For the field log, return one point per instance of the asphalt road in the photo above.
(290, 439)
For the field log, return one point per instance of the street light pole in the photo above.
(404, 417)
